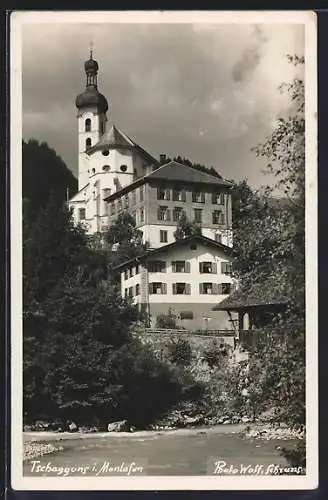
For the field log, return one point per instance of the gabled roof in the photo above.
(78, 196)
(179, 172)
(173, 171)
(261, 294)
(196, 238)
(115, 138)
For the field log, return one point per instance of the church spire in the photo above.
(91, 69)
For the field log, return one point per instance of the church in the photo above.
(116, 174)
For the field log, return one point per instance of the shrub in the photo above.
(296, 457)
(166, 320)
(180, 352)
(216, 354)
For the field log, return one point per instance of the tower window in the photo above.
(123, 168)
(88, 143)
(93, 170)
(106, 168)
(87, 125)
(105, 152)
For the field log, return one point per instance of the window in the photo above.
(207, 288)
(93, 171)
(157, 266)
(179, 195)
(126, 201)
(177, 213)
(198, 197)
(106, 192)
(81, 213)
(125, 292)
(186, 315)
(130, 292)
(105, 152)
(163, 213)
(141, 193)
(181, 288)
(87, 143)
(198, 215)
(157, 288)
(224, 288)
(180, 266)
(106, 168)
(193, 246)
(112, 208)
(142, 215)
(137, 269)
(218, 217)
(207, 267)
(218, 237)
(123, 168)
(218, 198)
(134, 197)
(163, 236)
(126, 274)
(131, 269)
(226, 268)
(163, 193)
(137, 289)
(87, 125)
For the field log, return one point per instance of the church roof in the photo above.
(115, 138)
(174, 171)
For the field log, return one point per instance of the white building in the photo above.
(189, 277)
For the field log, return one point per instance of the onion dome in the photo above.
(92, 98)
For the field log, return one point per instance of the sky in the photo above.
(208, 92)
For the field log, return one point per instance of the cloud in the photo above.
(250, 58)
(177, 89)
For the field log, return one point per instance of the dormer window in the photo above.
(87, 143)
(123, 168)
(106, 168)
(87, 125)
(105, 152)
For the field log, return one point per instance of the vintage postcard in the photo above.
(163, 176)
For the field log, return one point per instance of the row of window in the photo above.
(164, 214)
(164, 193)
(182, 266)
(125, 202)
(158, 288)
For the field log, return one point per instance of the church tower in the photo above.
(92, 108)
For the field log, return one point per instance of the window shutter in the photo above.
(215, 288)
(203, 196)
(173, 267)
(167, 194)
(201, 287)
(150, 288)
(164, 288)
(183, 195)
(174, 288)
(168, 215)
(200, 267)
(214, 268)
(158, 214)
(219, 288)
(163, 267)
(213, 198)
(188, 288)
(223, 267)
(187, 267)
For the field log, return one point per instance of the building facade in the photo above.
(115, 174)
(189, 277)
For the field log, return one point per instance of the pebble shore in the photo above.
(34, 449)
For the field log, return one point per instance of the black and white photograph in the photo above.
(163, 261)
